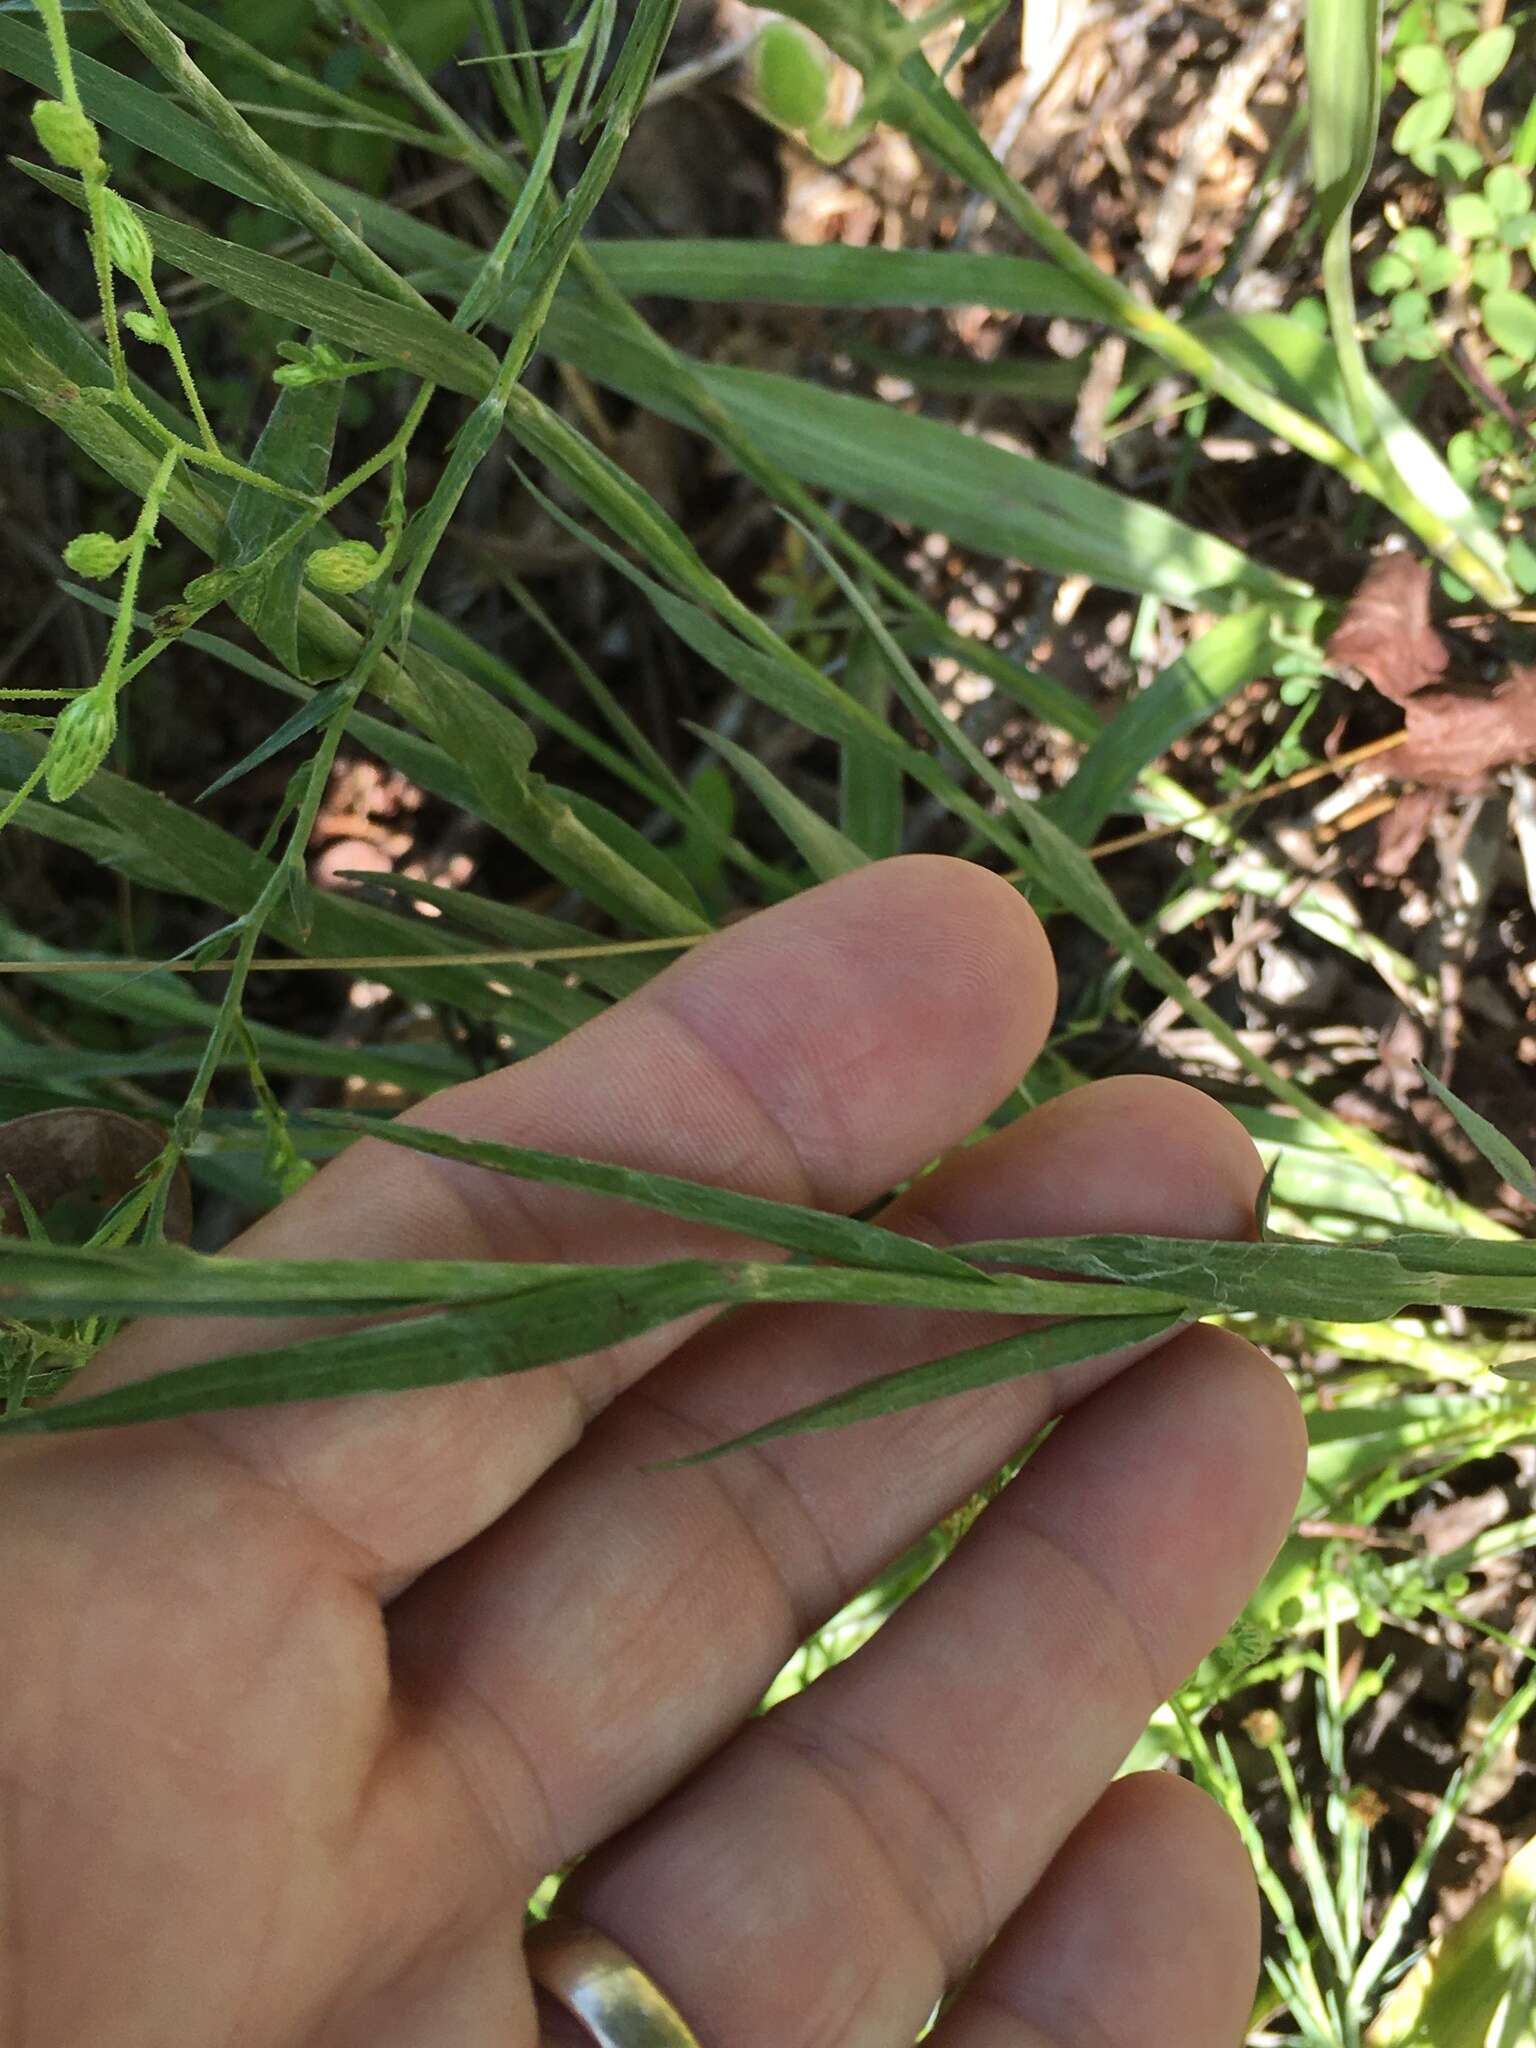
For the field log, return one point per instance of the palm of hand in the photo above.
(302, 1704)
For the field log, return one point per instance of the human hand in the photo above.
(300, 1704)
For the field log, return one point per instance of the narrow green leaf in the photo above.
(542, 1326)
(294, 449)
(312, 713)
(56, 1280)
(1282, 354)
(1343, 99)
(961, 1372)
(1501, 1153)
(825, 850)
(828, 274)
(1222, 661)
(870, 784)
(1344, 110)
(792, 1228)
(930, 475)
(511, 926)
(1343, 1283)
(634, 849)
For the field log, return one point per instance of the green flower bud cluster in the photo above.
(82, 739)
(316, 364)
(128, 242)
(348, 566)
(68, 134)
(96, 555)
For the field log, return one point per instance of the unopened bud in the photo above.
(82, 739)
(128, 242)
(1263, 1728)
(143, 324)
(96, 555)
(350, 565)
(791, 78)
(68, 134)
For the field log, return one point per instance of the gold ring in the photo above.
(604, 1988)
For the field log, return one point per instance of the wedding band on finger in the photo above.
(606, 1990)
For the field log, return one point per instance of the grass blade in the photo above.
(962, 1372)
(1501, 1153)
(543, 1325)
(825, 850)
(792, 1228)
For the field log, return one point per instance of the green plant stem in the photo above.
(63, 56)
(171, 341)
(106, 284)
(140, 541)
(209, 458)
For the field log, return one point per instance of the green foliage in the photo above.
(274, 133)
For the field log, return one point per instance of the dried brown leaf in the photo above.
(1457, 740)
(85, 1157)
(1385, 632)
(1403, 831)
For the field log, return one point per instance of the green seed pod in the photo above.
(68, 134)
(144, 325)
(81, 741)
(350, 565)
(128, 242)
(791, 78)
(96, 555)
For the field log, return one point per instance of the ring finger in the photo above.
(843, 1859)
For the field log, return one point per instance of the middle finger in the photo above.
(615, 1628)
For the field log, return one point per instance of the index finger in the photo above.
(818, 1053)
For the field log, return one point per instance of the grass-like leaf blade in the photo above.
(792, 1228)
(1500, 1152)
(564, 1319)
(826, 851)
(961, 1372)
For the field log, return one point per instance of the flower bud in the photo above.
(350, 565)
(791, 78)
(143, 324)
(82, 739)
(96, 555)
(1263, 1727)
(128, 242)
(68, 134)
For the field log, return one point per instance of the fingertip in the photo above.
(1145, 1933)
(881, 1016)
(1134, 1153)
(1266, 1423)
